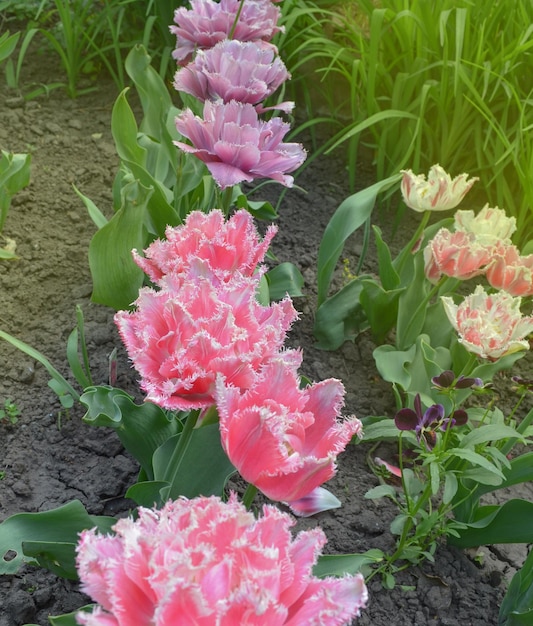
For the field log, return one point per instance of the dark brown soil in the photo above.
(51, 457)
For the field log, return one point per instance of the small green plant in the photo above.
(10, 413)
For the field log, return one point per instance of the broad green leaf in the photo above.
(450, 487)
(517, 605)
(380, 306)
(284, 279)
(340, 564)
(56, 556)
(476, 459)
(95, 214)
(116, 278)
(381, 491)
(387, 274)
(191, 477)
(124, 129)
(149, 493)
(142, 429)
(68, 619)
(507, 523)
(340, 318)
(349, 216)
(61, 525)
(488, 432)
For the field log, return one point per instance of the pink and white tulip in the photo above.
(207, 562)
(234, 70)
(511, 272)
(489, 325)
(237, 146)
(180, 337)
(491, 226)
(207, 22)
(457, 255)
(283, 439)
(438, 193)
(224, 247)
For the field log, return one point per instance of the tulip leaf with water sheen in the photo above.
(59, 527)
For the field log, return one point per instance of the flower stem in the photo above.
(412, 243)
(249, 495)
(234, 25)
(179, 450)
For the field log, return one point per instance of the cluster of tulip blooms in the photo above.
(203, 343)
(489, 325)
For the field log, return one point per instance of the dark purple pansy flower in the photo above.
(425, 424)
(447, 380)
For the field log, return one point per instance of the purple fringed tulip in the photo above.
(237, 146)
(208, 22)
(234, 70)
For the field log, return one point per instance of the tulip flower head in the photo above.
(511, 272)
(489, 325)
(438, 193)
(181, 336)
(491, 226)
(234, 70)
(205, 562)
(221, 248)
(207, 22)
(237, 146)
(456, 254)
(283, 439)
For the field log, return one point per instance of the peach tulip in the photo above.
(281, 438)
(489, 325)
(438, 193)
(207, 562)
(511, 272)
(457, 255)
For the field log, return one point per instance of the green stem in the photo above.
(226, 198)
(249, 495)
(409, 247)
(176, 458)
(234, 25)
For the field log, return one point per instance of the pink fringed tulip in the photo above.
(182, 336)
(511, 272)
(208, 22)
(234, 70)
(283, 439)
(491, 227)
(224, 247)
(207, 562)
(236, 146)
(438, 193)
(458, 255)
(490, 326)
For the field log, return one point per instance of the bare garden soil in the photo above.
(51, 457)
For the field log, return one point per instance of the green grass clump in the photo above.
(420, 82)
